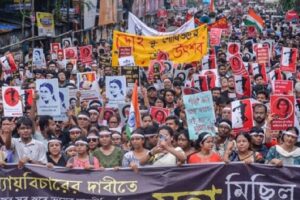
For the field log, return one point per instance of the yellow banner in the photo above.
(181, 48)
(45, 24)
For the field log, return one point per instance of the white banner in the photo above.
(137, 27)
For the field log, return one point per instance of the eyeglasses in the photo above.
(113, 122)
(92, 140)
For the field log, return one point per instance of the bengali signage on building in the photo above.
(210, 181)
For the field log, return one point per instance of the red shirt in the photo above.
(196, 158)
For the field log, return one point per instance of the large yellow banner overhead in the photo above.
(181, 48)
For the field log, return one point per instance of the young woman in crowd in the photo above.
(286, 153)
(83, 160)
(164, 153)
(55, 156)
(138, 156)
(108, 155)
(257, 138)
(70, 151)
(159, 102)
(7, 126)
(93, 141)
(116, 138)
(205, 154)
(243, 151)
(114, 121)
(183, 141)
(147, 120)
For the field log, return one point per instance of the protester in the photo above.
(54, 154)
(164, 153)
(138, 156)
(183, 141)
(243, 151)
(205, 154)
(100, 128)
(83, 160)
(285, 153)
(108, 155)
(26, 149)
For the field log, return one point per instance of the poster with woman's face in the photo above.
(66, 42)
(115, 88)
(86, 54)
(283, 111)
(48, 102)
(38, 58)
(159, 114)
(55, 47)
(237, 65)
(88, 86)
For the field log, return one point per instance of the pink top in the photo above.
(81, 164)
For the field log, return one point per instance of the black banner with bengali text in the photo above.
(210, 181)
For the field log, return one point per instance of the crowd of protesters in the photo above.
(89, 140)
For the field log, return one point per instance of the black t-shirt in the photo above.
(62, 162)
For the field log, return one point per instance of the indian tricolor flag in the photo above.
(134, 118)
(253, 19)
(212, 6)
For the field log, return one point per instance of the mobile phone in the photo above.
(162, 137)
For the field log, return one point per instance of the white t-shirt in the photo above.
(34, 150)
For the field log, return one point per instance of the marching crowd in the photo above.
(90, 140)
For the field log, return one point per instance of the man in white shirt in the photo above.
(26, 149)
